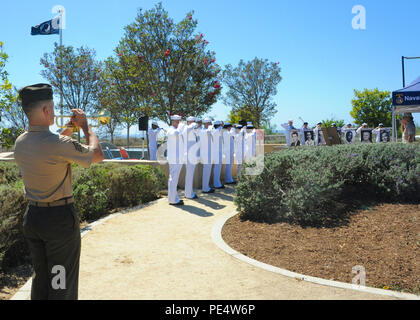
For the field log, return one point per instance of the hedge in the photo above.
(97, 191)
(312, 185)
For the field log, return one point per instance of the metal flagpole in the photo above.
(61, 67)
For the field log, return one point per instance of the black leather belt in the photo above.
(57, 203)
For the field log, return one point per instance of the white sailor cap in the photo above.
(155, 123)
(176, 117)
(207, 120)
(191, 119)
(364, 124)
(249, 125)
(381, 125)
(217, 123)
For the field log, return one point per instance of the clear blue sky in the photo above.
(322, 57)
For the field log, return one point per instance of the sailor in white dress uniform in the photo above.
(191, 147)
(152, 139)
(239, 147)
(175, 147)
(228, 151)
(205, 138)
(217, 154)
(250, 142)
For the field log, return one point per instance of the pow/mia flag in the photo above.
(47, 27)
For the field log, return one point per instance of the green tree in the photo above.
(372, 107)
(251, 87)
(167, 64)
(108, 100)
(15, 116)
(128, 103)
(7, 98)
(75, 73)
(241, 114)
(328, 122)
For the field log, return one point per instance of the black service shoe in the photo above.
(180, 203)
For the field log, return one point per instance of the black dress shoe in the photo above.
(231, 182)
(210, 191)
(222, 187)
(180, 203)
(195, 197)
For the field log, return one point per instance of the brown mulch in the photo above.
(385, 240)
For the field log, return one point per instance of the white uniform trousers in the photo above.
(217, 168)
(189, 179)
(206, 177)
(228, 173)
(153, 152)
(174, 171)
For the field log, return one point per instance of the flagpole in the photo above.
(61, 67)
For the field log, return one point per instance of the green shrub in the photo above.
(314, 185)
(9, 172)
(108, 186)
(130, 186)
(13, 248)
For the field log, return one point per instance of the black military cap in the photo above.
(35, 93)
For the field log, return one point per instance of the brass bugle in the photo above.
(103, 117)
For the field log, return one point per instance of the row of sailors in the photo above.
(208, 144)
(319, 137)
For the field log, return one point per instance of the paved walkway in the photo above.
(166, 252)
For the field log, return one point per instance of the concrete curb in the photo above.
(24, 293)
(216, 235)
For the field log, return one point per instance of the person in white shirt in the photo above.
(250, 142)
(228, 151)
(190, 155)
(349, 134)
(217, 154)
(239, 147)
(319, 135)
(288, 127)
(175, 147)
(205, 138)
(377, 131)
(152, 139)
(302, 133)
(364, 126)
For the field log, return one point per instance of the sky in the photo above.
(322, 57)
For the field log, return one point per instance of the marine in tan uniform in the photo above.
(51, 224)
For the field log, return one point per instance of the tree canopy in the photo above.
(251, 87)
(74, 72)
(167, 65)
(7, 98)
(372, 107)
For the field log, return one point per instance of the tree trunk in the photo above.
(128, 136)
(148, 150)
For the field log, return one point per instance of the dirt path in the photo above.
(166, 252)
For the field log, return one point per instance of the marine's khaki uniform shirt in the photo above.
(44, 160)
